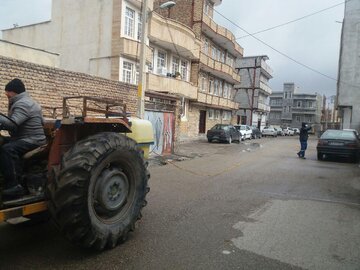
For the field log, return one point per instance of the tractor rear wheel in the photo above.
(100, 190)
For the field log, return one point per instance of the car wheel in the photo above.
(320, 156)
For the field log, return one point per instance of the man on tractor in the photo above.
(24, 123)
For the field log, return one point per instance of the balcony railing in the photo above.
(263, 107)
(171, 85)
(217, 101)
(265, 88)
(223, 69)
(170, 34)
(224, 34)
(266, 67)
(130, 49)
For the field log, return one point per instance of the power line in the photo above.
(276, 50)
(295, 20)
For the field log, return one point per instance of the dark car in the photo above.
(223, 133)
(256, 133)
(343, 143)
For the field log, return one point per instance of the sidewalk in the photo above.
(198, 148)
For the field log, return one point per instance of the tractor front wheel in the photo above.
(100, 191)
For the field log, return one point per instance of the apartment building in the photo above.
(190, 60)
(254, 90)
(290, 108)
(214, 73)
(348, 94)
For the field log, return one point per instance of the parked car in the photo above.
(288, 131)
(296, 131)
(256, 133)
(269, 131)
(355, 131)
(246, 131)
(223, 133)
(280, 131)
(343, 143)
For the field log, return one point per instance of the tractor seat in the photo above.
(36, 151)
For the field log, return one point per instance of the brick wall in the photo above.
(49, 85)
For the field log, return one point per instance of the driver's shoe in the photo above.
(14, 192)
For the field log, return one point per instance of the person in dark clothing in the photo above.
(304, 135)
(24, 123)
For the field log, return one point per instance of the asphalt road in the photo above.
(241, 206)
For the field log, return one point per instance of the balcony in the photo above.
(265, 88)
(130, 49)
(267, 69)
(221, 35)
(171, 85)
(219, 69)
(263, 107)
(217, 101)
(304, 109)
(169, 34)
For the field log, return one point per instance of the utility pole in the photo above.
(253, 94)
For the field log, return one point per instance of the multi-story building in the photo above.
(214, 73)
(189, 58)
(289, 108)
(254, 90)
(348, 94)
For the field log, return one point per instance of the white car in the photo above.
(246, 131)
(269, 131)
(288, 131)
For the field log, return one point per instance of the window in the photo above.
(206, 47)
(222, 57)
(203, 84)
(226, 90)
(129, 22)
(217, 114)
(211, 86)
(139, 26)
(220, 88)
(184, 69)
(213, 52)
(226, 115)
(298, 104)
(216, 87)
(211, 113)
(127, 72)
(297, 118)
(175, 65)
(230, 60)
(310, 104)
(285, 94)
(206, 7)
(161, 59)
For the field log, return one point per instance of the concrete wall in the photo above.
(49, 85)
(80, 31)
(349, 66)
(20, 52)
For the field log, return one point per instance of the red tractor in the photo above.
(91, 177)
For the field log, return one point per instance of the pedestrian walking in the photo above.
(303, 137)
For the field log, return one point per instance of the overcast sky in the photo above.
(313, 41)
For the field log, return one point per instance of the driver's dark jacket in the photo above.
(27, 120)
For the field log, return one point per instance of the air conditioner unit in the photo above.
(162, 71)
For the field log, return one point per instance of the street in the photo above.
(253, 205)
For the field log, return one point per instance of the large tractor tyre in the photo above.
(100, 191)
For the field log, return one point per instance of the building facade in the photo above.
(254, 90)
(214, 73)
(189, 58)
(290, 108)
(348, 87)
